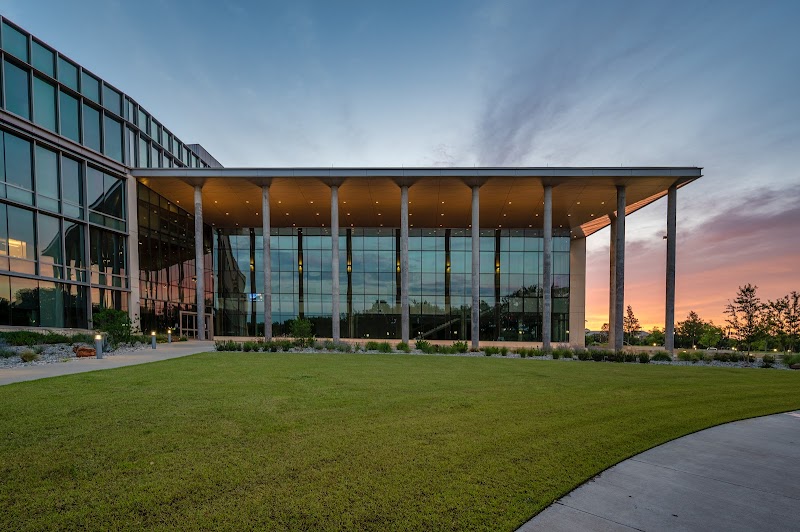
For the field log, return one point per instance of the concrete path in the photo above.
(740, 476)
(81, 365)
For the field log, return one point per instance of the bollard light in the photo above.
(169, 335)
(153, 339)
(98, 345)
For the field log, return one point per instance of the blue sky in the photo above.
(713, 84)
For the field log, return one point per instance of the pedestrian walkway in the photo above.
(739, 476)
(81, 365)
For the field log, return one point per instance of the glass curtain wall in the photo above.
(167, 262)
(439, 282)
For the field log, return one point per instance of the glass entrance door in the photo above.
(188, 325)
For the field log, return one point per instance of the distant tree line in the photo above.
(750, 325)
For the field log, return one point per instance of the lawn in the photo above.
(343, 441)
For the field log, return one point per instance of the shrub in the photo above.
(28, 356)
(767, 361)
(486, 353)
(791, 359)
(661, 356)
(38, 349)
(556, 354)
(31, 338)
(7, 353)
(460, 347)
(685, 356)
(285, 345)
(116, 323)
(629, 357)
(584, 354)
(303, 332)
(404, 347)
(372, 346)
(489, 351)
(227, 345)
(385, 347)
(329, 345)
(597, 355)
(563, 352)
(343, 347)
(644, 358)
(318, 346)
(183, 338)
(522, 353)
(422, 345)
(251, 346)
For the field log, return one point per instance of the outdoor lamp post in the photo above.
(98, 345)
(153, 339)
(169, 335)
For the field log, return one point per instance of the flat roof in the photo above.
(510, 197)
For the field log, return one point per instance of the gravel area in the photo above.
(54, 353)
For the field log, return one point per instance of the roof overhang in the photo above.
(583, 198)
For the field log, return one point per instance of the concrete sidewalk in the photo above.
(740, 476)
(81, 365)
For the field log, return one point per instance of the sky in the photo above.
(512, 83)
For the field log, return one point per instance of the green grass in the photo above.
(342, 441)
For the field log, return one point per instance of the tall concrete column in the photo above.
(266, 261)
(577, 292)
(132, 203)
(547, 268)
(199, 264)
(404, 311)
(335, 322)
(612, 279)
(669, 318)
(619, 271)
(476, 266)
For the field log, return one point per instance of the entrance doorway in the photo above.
(188, 325)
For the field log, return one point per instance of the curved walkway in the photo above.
(743, 475)
(81, 365)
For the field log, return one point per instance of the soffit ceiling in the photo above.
(582, 203)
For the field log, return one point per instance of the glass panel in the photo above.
(24, 302)
(67, 73)
(51, 304)
(15, 42)
(16, 85)
(44, 104)
(113, 138)
(3, 237)
(21, 241)
(75, 306)
(49, 242)
(90, 86)
(69, 117)
(46, 172)
(94, 186)
(142, 120)
(5, 300)
(18, 161)
(71, 180)
(91, 127)
(74, 247)
(43, 59)
(112, 100)
(143, 153)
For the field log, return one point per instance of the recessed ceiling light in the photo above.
(226, 214)
(602, 203)
(279, 201)
(312, 202)
(579, 203)
(247, 201)
(215, 201)
(379, 214)
(287, 214)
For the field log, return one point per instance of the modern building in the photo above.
(101, 205)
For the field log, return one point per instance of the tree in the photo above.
(630, 325)
(744, 316)
(712, 335)
(774, 324)
(792, 319)
(656, 337)
(691, 328)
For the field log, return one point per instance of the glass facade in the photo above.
(440, 289)
(167, 262)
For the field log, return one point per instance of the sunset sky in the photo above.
(518, 83)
